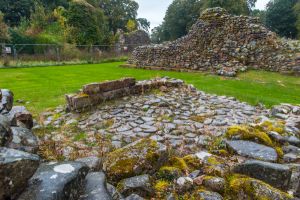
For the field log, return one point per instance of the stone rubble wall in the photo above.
(134, 39)
(97, 93)
(222, 44)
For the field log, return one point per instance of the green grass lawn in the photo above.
(44, 87)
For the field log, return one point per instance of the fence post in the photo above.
(57, 53)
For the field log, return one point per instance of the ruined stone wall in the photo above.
(223, 44)
(97, 93)
(134, 39)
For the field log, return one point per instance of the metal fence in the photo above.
(39, 54)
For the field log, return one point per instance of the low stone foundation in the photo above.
(97, 93)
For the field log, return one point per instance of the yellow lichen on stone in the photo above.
(250, 188)
(249, 133)
(179, 163)
(169, 173)
(270, 126)
(161, 186)
(141, 156)
(192, 162)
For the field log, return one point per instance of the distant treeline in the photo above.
(85, 22)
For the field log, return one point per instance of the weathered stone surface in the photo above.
(221, 43)
(134, 197)
(95, 187)
(249, 188)
(252, 150)
(96, 88)
(5, 130)
(16, 167)
(215, 184)
(208, 195)
(140, 185)
(20, 116)
(276, 175)
(93, 162)
(56, 181)
(23, 140)
(6, 101)
(141, 157)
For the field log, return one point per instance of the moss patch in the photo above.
(249, 133)
(253, 189)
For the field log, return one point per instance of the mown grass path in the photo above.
(44, 87)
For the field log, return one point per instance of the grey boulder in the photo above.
(16, 168)
(6, 101)
(5, 131)
(24, 140)
(277, 175)
(140, 185)
(96, 187)
(20, 116)
(56, 181)
(93, 162)
(252, 150)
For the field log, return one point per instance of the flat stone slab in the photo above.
(277, 175)
(252, 150)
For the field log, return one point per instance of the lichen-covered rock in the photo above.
(208, 195)
(6, 101)
(16, 167)
(24, 140)
(252, 150)
(223, 44)
(5, 130)
(95, 187)
(242, 187)
(140, 185)
(20, 116)
(140, 157)
(215, 184)
(56, 181)
(274, 174)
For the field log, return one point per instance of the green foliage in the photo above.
(131, 25)
(119, 12)
(87, 23)
(297, 12)
(4, 35)
(15, 10)
(280, 17)
(143, 24)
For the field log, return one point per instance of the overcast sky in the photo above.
(154, 10)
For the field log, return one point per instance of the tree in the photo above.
(4, 35)
(261, 14)
(15, 10)
(87, 23)
(236, 7)
(281, 18)
(297, 13)
(52, 4)
(119, 12)
(143, 24)
(131, 25)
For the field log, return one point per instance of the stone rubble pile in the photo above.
(168, 141)
(222, 44)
